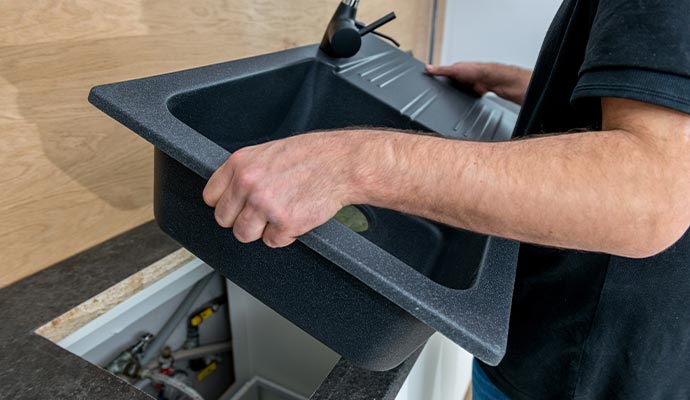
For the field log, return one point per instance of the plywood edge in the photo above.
(440, 21)
(62, 326)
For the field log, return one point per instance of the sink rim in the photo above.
(141, 105)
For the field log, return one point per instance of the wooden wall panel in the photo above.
(69, 176)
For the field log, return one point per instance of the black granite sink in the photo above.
(374, 295)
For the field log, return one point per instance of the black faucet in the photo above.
(343, 37)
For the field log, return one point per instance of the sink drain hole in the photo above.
(353, 218)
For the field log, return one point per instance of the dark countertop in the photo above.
(32, 367)
(349, 382)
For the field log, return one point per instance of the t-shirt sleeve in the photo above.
(639, 50)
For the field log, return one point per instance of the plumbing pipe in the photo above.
(173, 383)
(181, 312)
(215, 348)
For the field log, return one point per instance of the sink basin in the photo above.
(373, 294)
(278, 103)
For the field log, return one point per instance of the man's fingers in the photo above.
(275, 237)
(468, 73)
(249, 225)
(217, 185)
(441, 70)
(228, 207)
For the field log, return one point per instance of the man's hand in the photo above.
(506, 81)
(283, 189)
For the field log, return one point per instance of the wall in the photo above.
(507, 31)
(71, 177)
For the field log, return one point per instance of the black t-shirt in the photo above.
(587, 325)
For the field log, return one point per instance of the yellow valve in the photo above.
(199, 318)
(206, 371)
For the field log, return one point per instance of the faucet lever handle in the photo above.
(377, 24)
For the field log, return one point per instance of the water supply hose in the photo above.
(173, 383)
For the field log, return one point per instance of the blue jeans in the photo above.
(482, 388)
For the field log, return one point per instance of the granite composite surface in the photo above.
(32, 367)
(476, 317)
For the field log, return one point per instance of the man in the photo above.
(599, 186)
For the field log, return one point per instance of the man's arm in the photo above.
(623, 190)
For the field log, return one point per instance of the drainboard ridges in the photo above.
(428, 97)
(377, 66)
(411, 103)
(488, 124)
(465, 117)
(424, 106)
(494, 130)
(470, 131)
(396, 77)
(347, 67)
(396, 68)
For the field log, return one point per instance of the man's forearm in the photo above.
(595, 191)
(622, 191)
